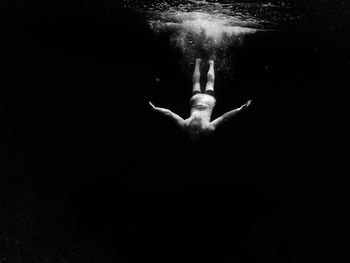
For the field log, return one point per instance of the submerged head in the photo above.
(195, 128)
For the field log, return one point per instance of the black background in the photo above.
(90, 174)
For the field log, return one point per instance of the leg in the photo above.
(210, 76)
(196, 77)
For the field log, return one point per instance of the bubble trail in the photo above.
(202, 29)
(212, 28)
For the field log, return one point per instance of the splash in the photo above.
(214, 28)
(202, 29)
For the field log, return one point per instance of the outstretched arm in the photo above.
(179, 121)
(228, 115)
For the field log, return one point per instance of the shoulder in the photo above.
(209, 129)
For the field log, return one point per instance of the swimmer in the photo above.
(202, 105)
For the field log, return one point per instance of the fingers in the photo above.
(150, 103)
(246, 105)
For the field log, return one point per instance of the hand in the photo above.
(247, 104)
(152, 106)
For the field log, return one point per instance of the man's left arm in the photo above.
(227, 116)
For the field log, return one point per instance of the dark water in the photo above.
(90, 174)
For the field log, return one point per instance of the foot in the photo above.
(211, 63)
(198, 61)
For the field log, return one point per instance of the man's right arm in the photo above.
(178, 120)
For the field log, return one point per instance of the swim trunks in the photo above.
(204, 100)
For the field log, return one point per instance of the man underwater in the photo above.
(202, 105)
